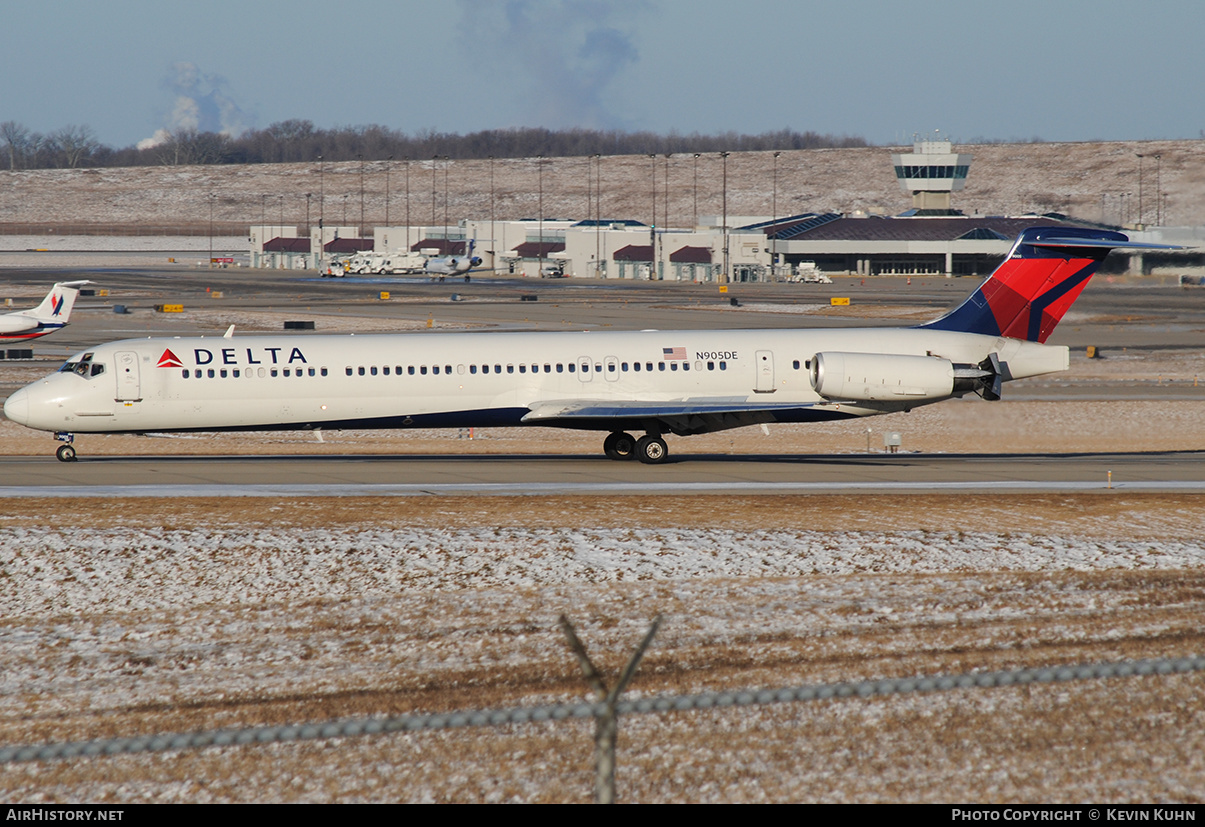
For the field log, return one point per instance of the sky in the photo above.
(1057, 70)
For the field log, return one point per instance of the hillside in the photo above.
(1081, 179)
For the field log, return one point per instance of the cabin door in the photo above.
(129, 386)
(765, 371)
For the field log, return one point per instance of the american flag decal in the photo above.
(673, 353)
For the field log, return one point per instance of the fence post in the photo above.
(606, 728)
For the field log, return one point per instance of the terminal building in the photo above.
(932, 238)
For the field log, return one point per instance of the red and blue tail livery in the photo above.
(52, 314)
(1044, 273)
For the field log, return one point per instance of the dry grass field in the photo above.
(1080, 179)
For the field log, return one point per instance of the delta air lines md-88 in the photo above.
(652, 382)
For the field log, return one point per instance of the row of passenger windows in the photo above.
(435, 370)
(223, 373)
(610, 367)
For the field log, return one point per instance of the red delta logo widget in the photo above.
(169, 360)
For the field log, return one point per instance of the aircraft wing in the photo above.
(682, 417)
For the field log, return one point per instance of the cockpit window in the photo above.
(83, 367)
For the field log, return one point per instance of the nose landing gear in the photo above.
(66, 451)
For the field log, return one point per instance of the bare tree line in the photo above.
(298, 140)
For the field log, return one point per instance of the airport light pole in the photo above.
(540, 209)
(665, 212)
(597, 213)
(321, 210)
(210, 199)
(361, 157)
(724, 275)
(434, 164)
(388, 165)
(1158, 191)
(653, 225)
(446, 165)
(1140, 157)
(407, 203)
(696, 220)
(493, 242)
(774, 198)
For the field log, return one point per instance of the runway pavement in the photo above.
(770, 473)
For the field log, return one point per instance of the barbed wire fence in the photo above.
(605, 710)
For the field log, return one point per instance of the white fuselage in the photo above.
(473, 379)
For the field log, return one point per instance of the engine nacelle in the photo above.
(17, 324)
(881, 377)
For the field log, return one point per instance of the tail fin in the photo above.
(1037, 283)
(56, 307)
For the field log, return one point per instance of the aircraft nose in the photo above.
(16, 407)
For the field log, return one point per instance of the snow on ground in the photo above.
(160, 569)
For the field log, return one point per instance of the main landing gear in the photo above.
(649, 449)
(66, 451)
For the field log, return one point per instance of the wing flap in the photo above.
(624, 409)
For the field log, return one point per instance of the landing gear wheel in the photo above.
(620, 445)
(651, 449)
(65, 453)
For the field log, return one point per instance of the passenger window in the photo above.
(711, 365)
(661, 366)
(360, 370)
(435, 370)
(795, 364)
(323, 371)
(497, 368)
(372, 370)
(185, 371)
(673, 365)
(510, 368)
(348, 371)
(210, 373)
(273, 372)
(423, 370)
(723, 366)
(572, 367)
(223, 373)
(472, 369)
(648, 366)
(635, 367)
(560, 368)
(385, 370)
(522, 368)
(448, 369)
(547, 368)
(410, 370)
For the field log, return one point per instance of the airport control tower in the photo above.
(931, 172)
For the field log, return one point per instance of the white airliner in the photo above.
(453, 265)
(53, 313)
(652, 381)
